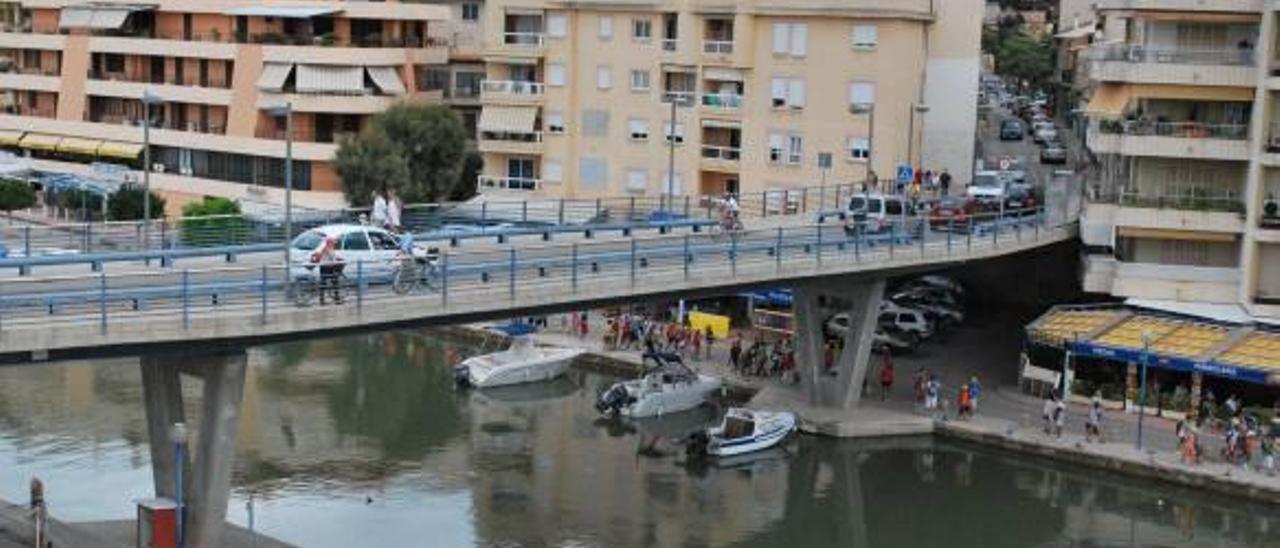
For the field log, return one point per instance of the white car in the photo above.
(875, 213)
(373, 248)
(945, 282)
(988, 186)
(905, 319)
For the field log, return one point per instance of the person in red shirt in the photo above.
(886, 377)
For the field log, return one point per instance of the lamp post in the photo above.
(148, 99)
(286, 110)
(178, 435)
(1142, 382)
(911, 132)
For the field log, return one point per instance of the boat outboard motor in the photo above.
(462, 376)
(612, 400)
(696, 445)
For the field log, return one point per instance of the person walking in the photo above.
(964, 403)
(394, 208)
(931, 393)
(1046, 413)
(974, 389)
(735, 353)
(944, 182)
(1093, 426)
(1059, 416)
(378, 215)
(886, 377)
(710, 336)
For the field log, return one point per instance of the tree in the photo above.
(126, 204)
(14, 195)
(1026, 60)
(213, 222)
(415, 150)
(472, 165)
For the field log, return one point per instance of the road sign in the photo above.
(905, 172)
(1005, 163)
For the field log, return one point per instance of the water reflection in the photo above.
(363, 441)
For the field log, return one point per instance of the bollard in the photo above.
(733, 256)
(633, 262)
(511, 278)
(777, 251)
(819, 229)
(444, 279)
(186, 299)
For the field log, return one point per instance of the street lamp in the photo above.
(911, 132)
(286, 110)
(1142, 383)
(178, 435)
(148, 99)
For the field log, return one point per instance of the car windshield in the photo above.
(986, 181)
(857, 203)
(308, 241)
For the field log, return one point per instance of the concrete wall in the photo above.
(951, 88)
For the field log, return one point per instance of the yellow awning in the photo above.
(1168, 234)
(508, 119)
(10, 137)
(113, 149)
(1191, 93)
(75, 145)
(36, 141)
(1108, 101)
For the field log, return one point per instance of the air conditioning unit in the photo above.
(1271, 209)
(157, 167)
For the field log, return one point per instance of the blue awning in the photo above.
(1211, 368)
(771, 297)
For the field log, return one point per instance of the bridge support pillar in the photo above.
(206, 484)
(861, 302)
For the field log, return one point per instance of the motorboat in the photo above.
(668, 387)
(745, 431)
(522, 362)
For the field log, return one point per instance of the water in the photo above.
(362, 441)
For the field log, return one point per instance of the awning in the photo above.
(508, 119)
(1108, 101)
(1197, 16)
(684, 69)
(330, 79)
(724, 74)
(1169, 234)
(387, 79)
(273, 76)
(108, 19)
(75, 18)
(96, 17)
(287, 12)
(1082, 31)
(1191, 93)
(10, 137)
(37, 141)
(721, 124)
(114, 149)
(76, 145)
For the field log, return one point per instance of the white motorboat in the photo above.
(745, 431)
(521, 363)
(670, 387)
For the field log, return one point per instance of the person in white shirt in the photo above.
(394, 207)
(379, 214)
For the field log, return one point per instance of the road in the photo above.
(991, 148)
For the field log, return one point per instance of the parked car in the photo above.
(938, 280)
(1020, 198)
(933, 294)
(988, 186)
(890, 338)
(1010, 130)
(906, 319)
(874, 213)
(1053, 153)
(941, 314)
(1045, 134)
(372, 247)
(956, 213)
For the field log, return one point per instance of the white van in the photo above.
(875, 213)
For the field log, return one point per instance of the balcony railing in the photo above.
(723, 153)
(511, 87)
(1180, 130)
(523, 39)
(195, 127)
(304, 39)
(717, 47)
(683, 98)
(36, 71)
(670, 44)
(1227, 203)
(730, 101)
(1178, 56)
(508, 183)
(534, 137)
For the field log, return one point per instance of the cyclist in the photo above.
(730, 219)
(326, 258)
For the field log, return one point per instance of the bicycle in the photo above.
(306, 288)
(412, 272)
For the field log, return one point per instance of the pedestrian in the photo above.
(1059, 416)
(378, 216)
(583, 328)
(695, 342)
(1093, 426)
(735, 353)
(964, 404)
(944, 182)
(1046, 413)
(931, 393)
(394, 209)
(974, 389)
(1190, 448)
(917, 384)
(886, 377)
(710, 336)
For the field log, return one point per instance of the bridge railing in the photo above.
(494, 277)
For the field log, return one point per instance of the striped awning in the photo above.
(387, 79)
(273, 76)
(96, 17)
(1109, 100)
(76, 145)
(345, 80)
(115, 149)
(508, 119)
(37, 141)
(10, 137)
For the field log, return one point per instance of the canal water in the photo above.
(362, 441)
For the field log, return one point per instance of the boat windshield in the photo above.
(737, 427)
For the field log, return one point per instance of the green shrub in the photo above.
(214, 222)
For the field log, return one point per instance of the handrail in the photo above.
(723, 153)
(1181, 130)
(1226, 202)
(512, 87)
(717, 47)
(1133, 53)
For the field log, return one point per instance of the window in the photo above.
(859, 148)
(604, 77)
(595, 123)
(641, 29)
(555, 122)
(382, 240)
(355, 241)
(555, 74)
(862, 95)
(637, 180)
(557, 25)
(593, 172)
(795, 149)
(787, 92)
(470, 11)
(778, 90)
(671, 185)
(552, 171)
(865, 36)
(639, 80)
(606, 27)
(638, 129)
(790, 38)
(677, 135)
(775, 148)
(795, 93)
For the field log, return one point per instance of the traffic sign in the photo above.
(905, 172)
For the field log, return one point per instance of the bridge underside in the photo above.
(841, 387)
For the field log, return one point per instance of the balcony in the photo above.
(511, 143)
(521, 43)
(510, 91)
(1176, 282)
(1143, 65)
(722, 102)
(1170, 139)
(30, 82)
(1229, 6)
(508, 183)
(717, 47)
(670, 45)
(681, 98)
(718, 157)
(1201, 212)
(134, 90)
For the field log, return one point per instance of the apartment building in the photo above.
(80, 78)
(591, 98)
(1183, 120)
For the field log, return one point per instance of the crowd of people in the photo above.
(633, 331)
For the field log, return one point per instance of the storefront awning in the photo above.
(273, 76)
(37, 141)
(1191, 93)
(1108, 101)
(115, 149)
(286, 12)
(345, 80)
(1167, 234)
(76, 145)
(508, 119)
(387, 79)
(10, 137)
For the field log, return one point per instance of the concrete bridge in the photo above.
(198, 323)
